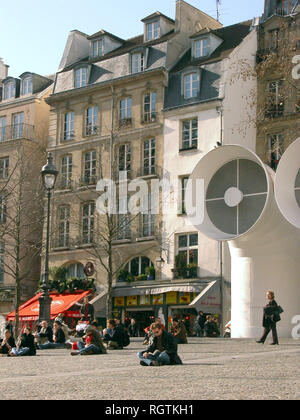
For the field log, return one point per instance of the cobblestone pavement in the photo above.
(213, 369)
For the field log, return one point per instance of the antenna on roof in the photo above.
(218, 3)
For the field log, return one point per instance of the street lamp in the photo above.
(49, 174)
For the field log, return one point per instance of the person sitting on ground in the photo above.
(133, 328)
(113, 336)
(148, 333)
(210, 327)
(25, 345)
(178, 331)
(44, 333)
(7, 344)
(92, 344)
(162, 351)
(59, 338)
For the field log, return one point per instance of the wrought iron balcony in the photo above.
(17, 131)
(125, 122)
(149, 117)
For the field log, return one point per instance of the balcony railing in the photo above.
(153, 170)
(125, 122)
(17, 131)
(67, 243)
(88, 180)
(149, 117)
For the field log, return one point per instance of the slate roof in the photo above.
(156, 14)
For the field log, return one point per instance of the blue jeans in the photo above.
(21, 352)
(162, 358)
(85, 350)
(51, 346)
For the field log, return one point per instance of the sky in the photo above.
(33, 33)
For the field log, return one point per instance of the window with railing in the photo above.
(91, 121)
(149, 157)
(2, 128)
(149, 114)
(186, 260)
(124, 158)
(2, 209)
(125, 113)
(68, 126)
(90, 167)
(148, 218)
(64, 227)
(4, 167)
(275, 99)
(88, 222)
(18, 121)
(123, 220)
(66, 171)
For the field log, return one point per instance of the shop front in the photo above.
(145, 303)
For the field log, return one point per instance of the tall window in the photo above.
(2, 128)
(125, 111)
(4, 164)
(149, 157)
(201, 47)
(2, 210)
(2, 254)
(81, 77)
(88, 222)
(276, 149)
(90, 166)
(91, 126)
(18, 121)
(183, 185)
(98, 47)
(9, 90)
(191, 85)
(76, 270)
(124, 156)
(137, 62)
(152, 30)
(274, 38)
(188, 248)
(69, 126)
(27, 85)
(190, 134)
(275, 101)
(148, 220)
(64, 226)
(66, 171)
(150, 107)
(123, 229)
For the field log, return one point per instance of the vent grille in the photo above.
(248, 179)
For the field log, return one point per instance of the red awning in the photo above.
(29, 311)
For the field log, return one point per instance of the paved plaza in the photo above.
(217, 369)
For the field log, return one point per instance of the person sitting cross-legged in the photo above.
(162, 350)
(59, 338)
(25, 345)
(92, 343)
(113, 336)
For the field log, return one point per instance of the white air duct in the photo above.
(240, 208)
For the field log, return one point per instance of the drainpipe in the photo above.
(220, 111)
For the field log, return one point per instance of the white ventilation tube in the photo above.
(240, 208)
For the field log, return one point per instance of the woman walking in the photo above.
(270, 318)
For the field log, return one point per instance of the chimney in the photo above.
(3, 70)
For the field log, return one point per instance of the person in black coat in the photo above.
(44, 333)
(25, 345)
(162, 350)
(113, 336)
(133, 328)
(59, 338)
(270, 318)
(7, 343)
(87, 310)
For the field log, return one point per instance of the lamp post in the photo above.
(49, 174)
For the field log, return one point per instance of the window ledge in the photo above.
(146, 238)
(121, 241)
(189, 149)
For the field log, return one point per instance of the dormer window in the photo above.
(137, 62)
(201, 48)
(191, 85)
(80, 77)
(98, 48)
(27, 86)
(9, 90)
(152, 30)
